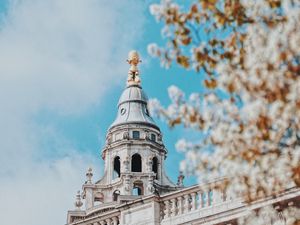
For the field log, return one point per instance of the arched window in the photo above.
(117, 167)
(116, 195)
(153, 137)
(138, 188)
(136, 163)
(155, 166)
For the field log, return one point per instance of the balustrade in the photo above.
(188, 200)
(110, 221)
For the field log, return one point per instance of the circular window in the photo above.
(123, 110)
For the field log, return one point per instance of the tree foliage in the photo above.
(249, 118)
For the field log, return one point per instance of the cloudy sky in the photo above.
(62, 70)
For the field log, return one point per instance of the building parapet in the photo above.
(197, 203)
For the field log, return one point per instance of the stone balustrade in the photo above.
(109, 221)
(191, 199)
(202, 203)
(102, 217)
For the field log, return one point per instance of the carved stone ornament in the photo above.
(78, 203)
(126, 163)
(150, 184)
(149, 163)
(159, 138)
(180, 179)
(126, 135)
(89, 175)
(108, 139)
(147, 136)
(133, 73)
(127, 183)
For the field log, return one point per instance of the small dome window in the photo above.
(123, 111)
(135, 134)
(153, 137)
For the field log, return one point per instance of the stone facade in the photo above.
(135, 189)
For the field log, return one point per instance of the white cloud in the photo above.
(59, 56)
(43, 192)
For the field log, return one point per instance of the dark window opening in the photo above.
(155, 166)
(138, 188)
(117, 167)
(135, 134)
(136, 163)
(116, 195)
(153, 137)
(123, 111)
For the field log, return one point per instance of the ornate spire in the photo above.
(78, 203)
(180, 179)
(133, 73)
(89, 175)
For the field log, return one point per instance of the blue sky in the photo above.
(62, 70)
(88, 130)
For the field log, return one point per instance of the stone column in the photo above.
(180, 205)
(194, 201)
(126, 165)
(167, 210)
(115, 220)
(186, 203)
(217, 196)
(224, 195)
(173, 209)
(108, 221)
(208, 198)
(127, 188)
(200, 199)
(89, 196)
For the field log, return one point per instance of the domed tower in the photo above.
(134, 152)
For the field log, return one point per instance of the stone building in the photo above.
(135, 190)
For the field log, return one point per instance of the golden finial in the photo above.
(133, 73)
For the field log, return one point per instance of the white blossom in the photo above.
(175, 94)
(154, 107)
(251, 129)
(152, 49)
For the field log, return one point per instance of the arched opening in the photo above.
(117, 167)
(116, 195)
(155, 166)
(138, 188)
(98, 198)
(153, 137)
(136, 163)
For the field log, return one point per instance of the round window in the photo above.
(123, 110)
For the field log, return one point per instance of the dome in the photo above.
(132, 107)
(133, 93)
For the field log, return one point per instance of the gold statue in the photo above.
(133, 73)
